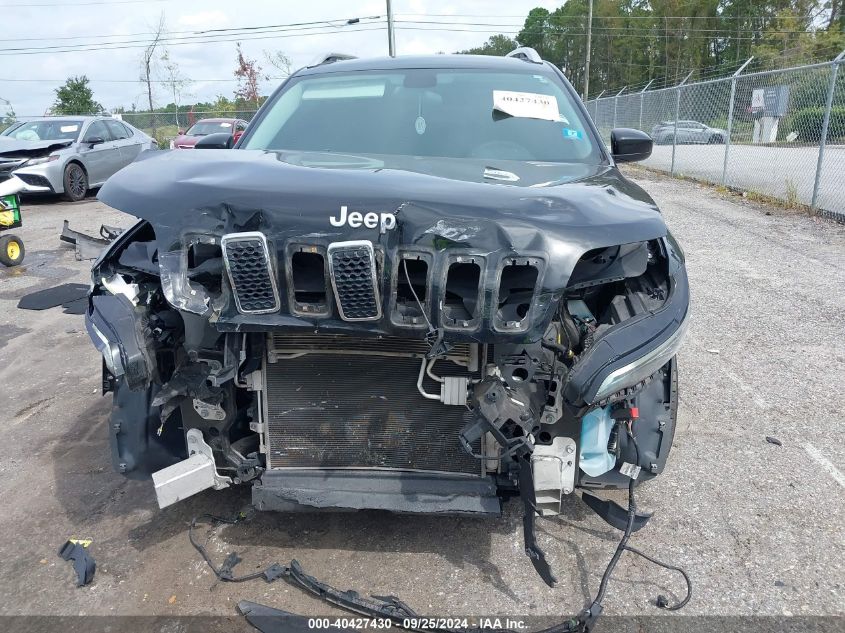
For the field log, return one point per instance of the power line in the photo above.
(231, 30)
(168, 39)
(127, 81)
(608, 17)
(76, 4)
(626, 33)
(244, 32)
(551, 31)
(125, 46)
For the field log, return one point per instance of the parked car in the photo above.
(204, 127)
(417, 284)
(687, 132)
(69, 155)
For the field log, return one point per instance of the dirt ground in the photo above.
(757, 526)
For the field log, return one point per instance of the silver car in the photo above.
(687, 132)
(69, 155)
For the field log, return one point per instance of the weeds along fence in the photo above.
(779, 134)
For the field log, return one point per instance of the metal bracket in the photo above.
(553, 466)
(197, 446)
(189, 476)
(209, 411)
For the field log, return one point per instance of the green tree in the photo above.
(75, 97)
(497, 45)
(635, 41)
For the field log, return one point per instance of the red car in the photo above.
(187, 140)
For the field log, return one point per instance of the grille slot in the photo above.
(411, 290)
(250, 271)
(282, 344)
(308, 281)
(463, 294)
(326, 411)
(517, 285)
(355, 280)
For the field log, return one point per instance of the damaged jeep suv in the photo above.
(415, 284)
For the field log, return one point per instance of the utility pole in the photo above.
(589, 43)
(391, 42)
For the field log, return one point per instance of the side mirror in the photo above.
(94, 140)
(219, 140)
(180, 132)
(628, 145)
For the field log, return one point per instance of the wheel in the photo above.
(76, 182)
(11, 250)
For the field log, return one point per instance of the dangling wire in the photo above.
(662, 602)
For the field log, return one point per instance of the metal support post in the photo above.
(642, 96)
(731, 119)
(677, 116)
(825, 125)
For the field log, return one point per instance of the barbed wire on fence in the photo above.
(778, 133)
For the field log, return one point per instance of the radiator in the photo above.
(329, 410)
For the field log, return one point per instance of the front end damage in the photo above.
(440, 356)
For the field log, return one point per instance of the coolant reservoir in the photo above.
(595, 433)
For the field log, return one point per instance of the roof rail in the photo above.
(330, 58)
(526, 53)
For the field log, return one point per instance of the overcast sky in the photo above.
(50, 23)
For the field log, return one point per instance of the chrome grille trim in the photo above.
(264, 285)
(352, 266)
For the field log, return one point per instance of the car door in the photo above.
(131, 144)
(100, 159)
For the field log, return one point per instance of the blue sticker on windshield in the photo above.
(574, 134)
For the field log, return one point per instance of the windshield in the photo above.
(204, 128)
(49, 130)
(11, 128)
(446, 113)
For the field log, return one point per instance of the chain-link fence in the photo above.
(779, 134)
(165, 126)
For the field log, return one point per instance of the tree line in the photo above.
(637, 41)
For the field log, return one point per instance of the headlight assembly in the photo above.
(640, 369)
(109, 350)
(41, 160)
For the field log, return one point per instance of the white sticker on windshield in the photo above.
(65, 129)
(529, 105)
(225, 125)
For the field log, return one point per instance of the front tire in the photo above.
(75, 182)
(11, 250)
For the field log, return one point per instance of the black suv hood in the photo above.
(223, 191)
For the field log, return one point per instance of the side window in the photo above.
(118, 132)
(98, 128)
(129, 132)
(240, 127)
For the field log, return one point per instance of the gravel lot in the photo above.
(758, 526)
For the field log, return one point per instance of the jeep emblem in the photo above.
(384, 221)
